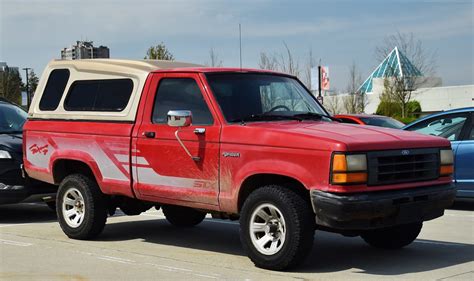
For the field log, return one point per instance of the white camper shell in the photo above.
(98, 69)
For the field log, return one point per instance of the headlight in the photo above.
(349, 169)
(5, 154)
(446, 158)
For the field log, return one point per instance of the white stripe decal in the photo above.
(142, 161)
(149, 176)
(123, 158)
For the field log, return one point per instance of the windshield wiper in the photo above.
(266, 117)
(315, 116)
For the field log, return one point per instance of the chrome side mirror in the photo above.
(179, 118)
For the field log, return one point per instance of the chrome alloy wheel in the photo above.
(267, 229)
(73, 208)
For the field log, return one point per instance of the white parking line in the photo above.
(17, 224)
(438, 243)
(114, 259)
(158, 266)
(15, 243)
(205, 276)
(168, 268)
(460, 215)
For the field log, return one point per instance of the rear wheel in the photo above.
(183, 216)
(394, 237)
(81, 207)
(276, 227)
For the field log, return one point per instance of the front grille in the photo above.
(399, 166)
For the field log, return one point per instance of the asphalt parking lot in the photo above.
(146, 247)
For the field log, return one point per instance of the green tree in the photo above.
(33, 81)
(159, 52)
(392, 105)
(10, 85)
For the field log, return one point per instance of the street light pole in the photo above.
(27, 88)
(319, 80)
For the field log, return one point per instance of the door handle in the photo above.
(149, 134)
(199, 131)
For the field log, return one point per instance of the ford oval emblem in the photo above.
(405, 152)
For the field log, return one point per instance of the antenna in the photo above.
(240, 45)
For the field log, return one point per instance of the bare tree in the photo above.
(268, 62)
(399, 90)
(355, 101)
(412, 48)
(214, 59)
(401, 86)
(284, 61)
(310, 63)
(288, 63)
(333, 103)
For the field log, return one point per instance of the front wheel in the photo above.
(394, 237)
(81, 207)
(276, 227)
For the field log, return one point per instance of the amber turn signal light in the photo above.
(344, 178)
(446, 170)
(339, 163)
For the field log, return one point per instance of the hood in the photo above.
(331, 136)
(11, 142)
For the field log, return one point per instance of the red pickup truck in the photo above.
(240, 144)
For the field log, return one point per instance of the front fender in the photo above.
(310, 168)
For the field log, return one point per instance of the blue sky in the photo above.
(338, 32)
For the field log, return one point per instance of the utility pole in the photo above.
(240, 45)
(28, 99)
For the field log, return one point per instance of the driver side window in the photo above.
(447, 126)
(180, 94)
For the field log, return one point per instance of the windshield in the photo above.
(244, 95)
(382, 122)
(449, 127)
(12, 119)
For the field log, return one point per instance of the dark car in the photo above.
(14, 187)
(456, 125)
(372, 120)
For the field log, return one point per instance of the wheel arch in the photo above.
(63, 167)
(255, 181)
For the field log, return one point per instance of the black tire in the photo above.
(299, 226)
(183, 216)
(394, 237)
(94, 207)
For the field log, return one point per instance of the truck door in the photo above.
(464, 154)
(162, 167)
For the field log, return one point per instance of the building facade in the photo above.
(85, 50)
(4, 66)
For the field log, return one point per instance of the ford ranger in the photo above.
(243, 144)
